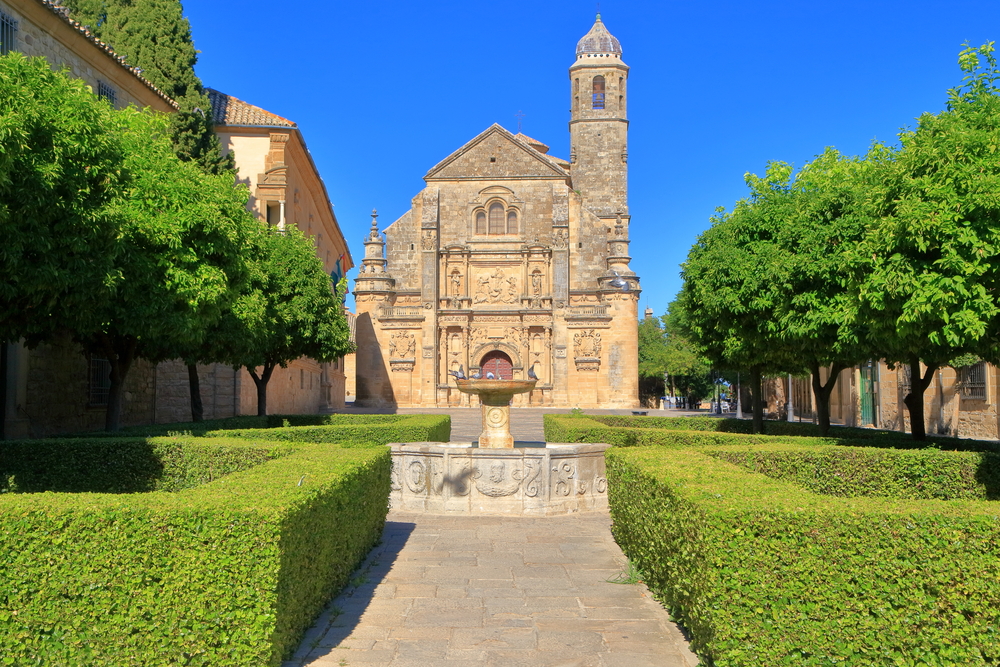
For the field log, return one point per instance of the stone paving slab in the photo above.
(494, 591)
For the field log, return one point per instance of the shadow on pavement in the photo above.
(343, 614)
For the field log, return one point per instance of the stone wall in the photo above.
(56, 395)
(218, 385)
(43, 33)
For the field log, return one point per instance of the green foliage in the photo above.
(417, 428)
(286, 310)
(182, 235)
(763, 572)
(924, 474)
(343, 429)
(125, 465)
(626, 431)
(60, 165)
(229, 572)
(154, 36)
(665, 351)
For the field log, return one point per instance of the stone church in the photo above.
(512, 260)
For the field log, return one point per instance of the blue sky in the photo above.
(383, 91)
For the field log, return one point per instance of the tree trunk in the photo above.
(757, 400)
(120, 355)
(823, 393)
(197, 409)
(915, 399)
(261, 382)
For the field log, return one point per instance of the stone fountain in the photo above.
(498, 477)
(494, 397)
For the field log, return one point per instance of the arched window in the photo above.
(499, 364)
(512, 222)
(598, 92)
(496, 219)
(481, 222)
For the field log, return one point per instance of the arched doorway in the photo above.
(499, 364)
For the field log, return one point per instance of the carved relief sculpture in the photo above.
(587, 350)
(402, 345)
(496, 287)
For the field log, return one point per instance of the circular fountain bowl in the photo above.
(492, 392)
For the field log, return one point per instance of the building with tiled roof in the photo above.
(54, 388)
(44, 28)
(228, 110)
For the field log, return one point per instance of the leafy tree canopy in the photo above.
(61, 162)
(286, 311)
(181, 237)
(154, 36)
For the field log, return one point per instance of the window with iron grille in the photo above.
(107, 92)
(972, 380)
(98, 381)
(8, 34)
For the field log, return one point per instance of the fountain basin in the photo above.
(454, 478)
(494, 398)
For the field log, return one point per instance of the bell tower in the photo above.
(598, 126)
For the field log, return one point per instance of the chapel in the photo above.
(512, 262)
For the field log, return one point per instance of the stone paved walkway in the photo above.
(494, 591)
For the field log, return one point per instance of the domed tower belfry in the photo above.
(511, 259)
(599, 124)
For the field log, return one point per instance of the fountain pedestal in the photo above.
(494, 397)
(496, 477)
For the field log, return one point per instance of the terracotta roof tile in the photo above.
(228, 110)
(63, 13)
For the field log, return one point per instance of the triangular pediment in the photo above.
(495, 155)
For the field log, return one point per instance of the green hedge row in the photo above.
(910, 474)
(627, 431)
(123, 465)
(797, 429)
(245, 422)
(562, 428)
(415, 428)
(763, 572)
(230, 572)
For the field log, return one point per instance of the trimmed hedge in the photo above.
(560, 428)
(835, 471)
(763, 572)
(626, 431)
(124, 465)
(244, 422)
(415, 428)
(899, 439)
(227, 573)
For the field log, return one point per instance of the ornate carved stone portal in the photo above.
(511, 249)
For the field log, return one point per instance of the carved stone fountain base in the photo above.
(446, 478)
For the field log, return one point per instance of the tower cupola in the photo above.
(598, 42)
(598, 124)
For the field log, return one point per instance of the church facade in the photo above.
(512, 261)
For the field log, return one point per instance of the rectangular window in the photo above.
(8, 34)
(273, 213)
(98, 381)
(973, 381)
(302, 379)
(107, 92)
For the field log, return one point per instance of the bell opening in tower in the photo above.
(598, 92)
